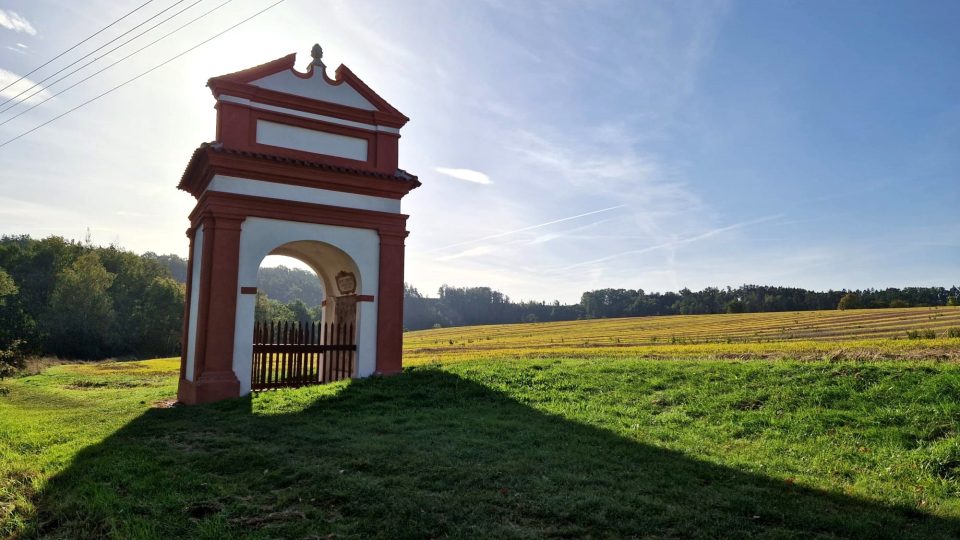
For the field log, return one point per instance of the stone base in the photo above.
(209, 387)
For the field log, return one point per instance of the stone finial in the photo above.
(317, 53)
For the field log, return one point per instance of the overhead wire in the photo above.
(39, 84)
(36, 84)
(108, 66)
(81, 42)
(128, 81)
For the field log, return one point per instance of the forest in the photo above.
(75, 300)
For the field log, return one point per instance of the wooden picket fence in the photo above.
(299, 354)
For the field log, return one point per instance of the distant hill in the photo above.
(175, 264)
(279, 283)
(288, 284)
(466, 306)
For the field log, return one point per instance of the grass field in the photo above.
(501, 438)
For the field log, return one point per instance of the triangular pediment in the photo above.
(281, 76)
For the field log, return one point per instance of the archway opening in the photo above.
(306, 317)
(288, 290)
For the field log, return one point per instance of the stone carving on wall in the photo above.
(346, 282)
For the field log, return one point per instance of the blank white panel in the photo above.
(309, 140)
(259, 188)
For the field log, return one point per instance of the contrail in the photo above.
(530, 228)
(673, 243)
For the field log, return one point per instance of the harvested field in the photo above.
(880, 334)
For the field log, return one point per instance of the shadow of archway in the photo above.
(424, 454)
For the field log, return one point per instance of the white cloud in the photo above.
(11, 20)
(22, 46)
(8, 77)
(469, 175)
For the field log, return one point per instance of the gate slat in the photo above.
(300, 378)
(327, 336)
(338, 364)
(343, 354)
(253, 376)
(292, 376)
(350, 354)
(311, 371)
(268, 357)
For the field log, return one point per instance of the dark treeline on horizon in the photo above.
(462, 306)
(75, 300)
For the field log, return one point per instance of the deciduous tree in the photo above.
(81, 311)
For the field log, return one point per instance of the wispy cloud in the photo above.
(469, 175)
(18, 48)
(550, 236)
(606, 162)
(12, 20)
(524, 229)
(15, 214)
(604, 159)
(472, 252)
(673, 244)
(8, 77)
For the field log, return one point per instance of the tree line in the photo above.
(75, 300)
(457, 306)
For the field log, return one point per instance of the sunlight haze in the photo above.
(562, 146)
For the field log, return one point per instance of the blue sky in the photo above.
(562, 146)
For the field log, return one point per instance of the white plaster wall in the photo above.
(259, 237)
(311, 140)
(272, 190)
(316, 88)
(304, 114)
(194, 295)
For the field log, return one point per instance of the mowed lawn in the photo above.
(597, 444)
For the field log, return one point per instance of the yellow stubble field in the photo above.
(852, 334)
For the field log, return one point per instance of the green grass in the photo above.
(605, 447)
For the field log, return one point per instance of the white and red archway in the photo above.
(304, 166)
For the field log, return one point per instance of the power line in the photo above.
(154, 68)
(94, 74)
(77, 45)
(48, 77)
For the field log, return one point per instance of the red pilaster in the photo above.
(390, 302)
(213, 377)
(387, 152)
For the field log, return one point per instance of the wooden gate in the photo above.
(298, 354)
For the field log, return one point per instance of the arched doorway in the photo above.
(295, 343)
(317, 345)
(288, 290)
(344, 342)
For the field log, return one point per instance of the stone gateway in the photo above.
(303, 166)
